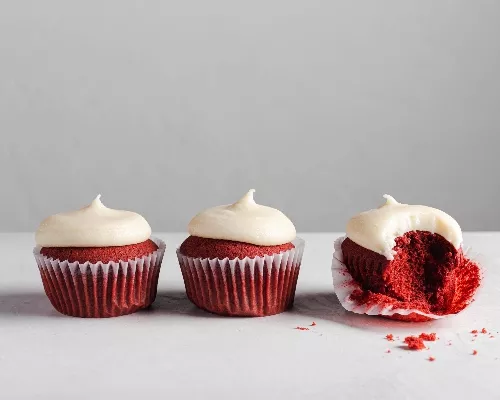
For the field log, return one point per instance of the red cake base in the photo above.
(198, 247)
(219, 278)
(427, 274)
(97, 289)
(102, 254)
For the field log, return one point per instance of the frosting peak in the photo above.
(378, 229)
(389, 200)
(246, 202)
(96, 202)
(244, 221)
(93, 226)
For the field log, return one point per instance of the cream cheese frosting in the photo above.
(244, 221)
(378, 229)
(93, 226)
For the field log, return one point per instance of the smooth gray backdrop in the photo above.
(167, 107)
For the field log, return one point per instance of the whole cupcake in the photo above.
(241, 259)
(98, 262)
(405, 262)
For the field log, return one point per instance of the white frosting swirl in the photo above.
(378, 229)
(244, 221)
(93, 226)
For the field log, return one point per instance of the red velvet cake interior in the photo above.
(427, 274)
(198, 247)
(103, 254)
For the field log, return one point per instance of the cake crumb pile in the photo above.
(414, 343)
(428, 337)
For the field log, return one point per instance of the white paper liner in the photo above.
(243, 287)
(101, 289)
(344, 285)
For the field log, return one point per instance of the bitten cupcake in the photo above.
(241, 259)
(405, 262)
(98, 262)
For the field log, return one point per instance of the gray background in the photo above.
(168, 107)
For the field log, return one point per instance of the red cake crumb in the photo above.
(474, 331)
(388, 351)
(428, 337)
(302, 328)
(102, 254)
(474, 352)
(427, 274)
(390, 337)
(432, 358)
(484, 331)
(198, 247)
(313, 324)
(414, 343)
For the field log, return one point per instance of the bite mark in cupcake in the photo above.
(409, 257)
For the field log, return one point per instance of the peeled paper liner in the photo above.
(344, 285)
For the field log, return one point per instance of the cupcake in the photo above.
(405, 262)
(241, 259)
(98, 262)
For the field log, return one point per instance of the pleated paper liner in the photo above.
(345, 285)
(101, 290)
(251, 287)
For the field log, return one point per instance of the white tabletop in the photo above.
(175, 351)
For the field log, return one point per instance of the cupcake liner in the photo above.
(250, 287)
(344, 286)
(101, 290)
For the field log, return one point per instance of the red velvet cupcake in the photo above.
(98, 262)
(405, 262)
(241, 259)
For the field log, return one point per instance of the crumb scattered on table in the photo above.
(414, 343)
(428, 337)
(302, 328)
